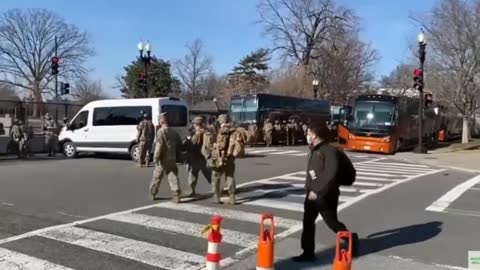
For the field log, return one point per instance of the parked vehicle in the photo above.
(110, 126)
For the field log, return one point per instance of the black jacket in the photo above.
(322, 170)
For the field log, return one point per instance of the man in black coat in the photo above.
(322, 187)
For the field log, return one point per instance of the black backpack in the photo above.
(346, 171)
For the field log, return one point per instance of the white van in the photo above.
(110, 126)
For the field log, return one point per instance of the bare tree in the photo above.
(400, 79)
(453, 32)
(298, 28)
(86, 90)
(7, 92)
(27, 39)
(343, 67)
(193, 68)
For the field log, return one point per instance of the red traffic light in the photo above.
(55, 60)
(428, 97)
(418, 72)
(141, 76)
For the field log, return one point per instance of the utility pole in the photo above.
(419, 85)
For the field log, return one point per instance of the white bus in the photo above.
(109, 126)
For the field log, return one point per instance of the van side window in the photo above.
(80, 121)
(119, 116)
(176, 115)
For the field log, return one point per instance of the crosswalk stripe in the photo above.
(11, 260)
(376, 166)
(183, 227)
(400, 164)
(367, 184)
(342, 198)
(139, 251)
(286, 152)
(300, 155)
(261, 151)
(387, 171)
(352, 189)
(291, 177)
(277, 204)
(227, 213)
(375, 179)
(377, 174)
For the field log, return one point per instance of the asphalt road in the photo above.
(94, 213)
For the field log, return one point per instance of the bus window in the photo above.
(250, 109)
(373, 115)
(236, 107)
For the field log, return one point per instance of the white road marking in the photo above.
(291, 177)
(227, 214)
(11, 260)
(378, 174)
(402, 164)
(376, 179)
(396, 168)
(277, 204)
(7, 204)
(475, 189)
(286, 152)
(367, 184)
(301, 154)
(444, 201)
(183, 227)
(261, 151)
(394, 173)
(139, 251)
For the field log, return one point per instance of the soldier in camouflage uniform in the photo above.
(145, 137)
(268, 132)
(19, 138)
(277, 132)
(290, 130)
(221, 149)
(50, 128)
(252, 134)
(196, 161)
(168, 142)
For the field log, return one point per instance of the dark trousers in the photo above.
(327, 208)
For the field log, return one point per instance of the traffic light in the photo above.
(55, 61)
(141, 78)
(428, 100)
(418, 79)
(64, 88)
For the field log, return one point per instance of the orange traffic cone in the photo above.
(343, 258)
(265, 250)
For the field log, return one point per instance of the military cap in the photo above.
(223, 118)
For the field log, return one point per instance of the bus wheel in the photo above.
(135, 153)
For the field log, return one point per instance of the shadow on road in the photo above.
(372, 244)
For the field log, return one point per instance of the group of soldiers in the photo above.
(281, 132)
(211, 149)
(19, 137)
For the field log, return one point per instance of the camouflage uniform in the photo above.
(49, 128)
(165, 157)
(196, 162)
(277, 132)
(19, 137)
(290, 127)
(267, 131)
(145, 137)
(221, 151)
(252, 134)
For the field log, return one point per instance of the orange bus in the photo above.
(386, 124)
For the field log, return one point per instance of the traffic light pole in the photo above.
(420, 149)
(56, 85)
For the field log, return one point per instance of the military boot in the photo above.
(176, 197)
(231, 199)
(216, 199)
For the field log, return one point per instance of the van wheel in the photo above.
(70, 150)
(135, 153)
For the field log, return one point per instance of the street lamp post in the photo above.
(315, 83)
(420, 149)
(145, 50)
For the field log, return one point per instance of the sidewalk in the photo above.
(468, 160)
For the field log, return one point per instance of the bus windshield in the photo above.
(250, 108)
(236, 107)
(373, 115)
(244, 109)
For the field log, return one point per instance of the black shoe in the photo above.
(304, 257)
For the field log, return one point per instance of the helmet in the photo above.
(223, 118)
(198, 120)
